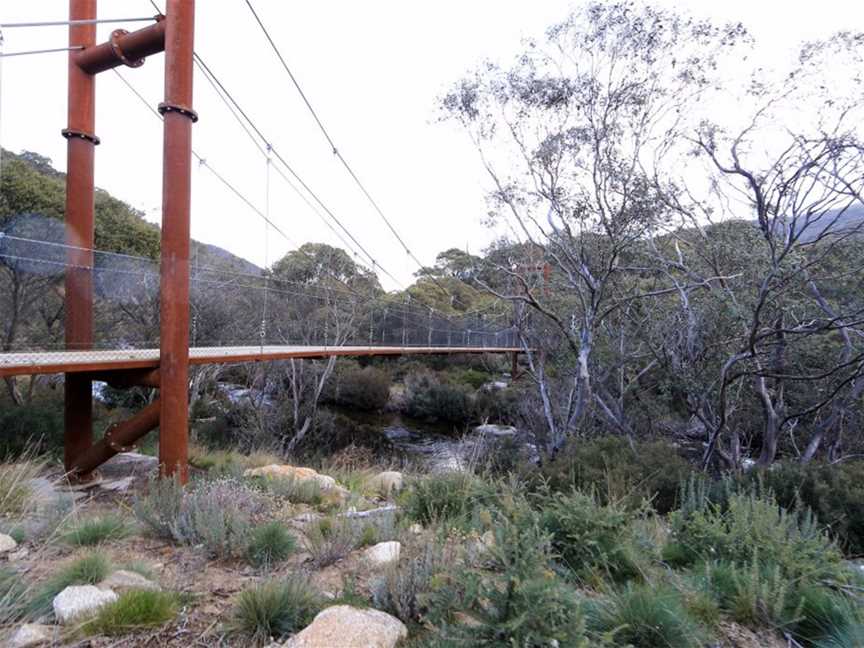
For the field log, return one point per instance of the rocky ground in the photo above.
(209, 588)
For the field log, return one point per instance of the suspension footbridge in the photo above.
(144, 321)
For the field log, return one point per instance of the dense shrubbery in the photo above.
(35, 425)
(365, 389)
(615, 471)
(427, 398)
(589, 537)
(834, 493)
(749, 527)
(510, 596)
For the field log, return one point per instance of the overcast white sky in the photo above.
(372, 69)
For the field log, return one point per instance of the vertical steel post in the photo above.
(514, 367)
(81, 141)
(176, 200)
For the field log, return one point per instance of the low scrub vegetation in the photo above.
(216, 515)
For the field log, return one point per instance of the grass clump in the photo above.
(97, 530)
(270, 543)
(828, 618)
(275, 609)
(133, 610)
(90, 569)
(648, 617)
(446, 498)
(16, 493)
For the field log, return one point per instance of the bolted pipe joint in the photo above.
(124, 48)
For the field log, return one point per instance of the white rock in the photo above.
(122, 580)
(384, 553)
(118, 485)
(19, 554)
(31, 634)
(79, 601)
(416, 529)
(344, 626)
(7, 543)
(387, 482)
(492, 430)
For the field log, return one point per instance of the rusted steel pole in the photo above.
(81, 141)
(124, 48)
(120, 437)
(514, 368)
(176, 201)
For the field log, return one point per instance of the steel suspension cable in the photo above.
(203, 162)
(297, 177)
(339, 155)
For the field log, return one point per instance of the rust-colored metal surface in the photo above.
(81, 140)
(102, 362)
(119, 437)
(176, 200)
(124, 48)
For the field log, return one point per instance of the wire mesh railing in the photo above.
(230, 306)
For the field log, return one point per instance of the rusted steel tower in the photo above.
(173, 34)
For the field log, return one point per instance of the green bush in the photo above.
(617, 472)
(647, 617)
(750, 527)
(445, 498)
(275, 609)
(271, 543)
(133, 610)
(96, 530)
(37, 425)
(590, 537)
(512, 597)
(469, 377)
(833, 492)
(426, 398)
(365, 389)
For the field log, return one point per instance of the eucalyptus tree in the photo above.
(790, 160)
(577, 137)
